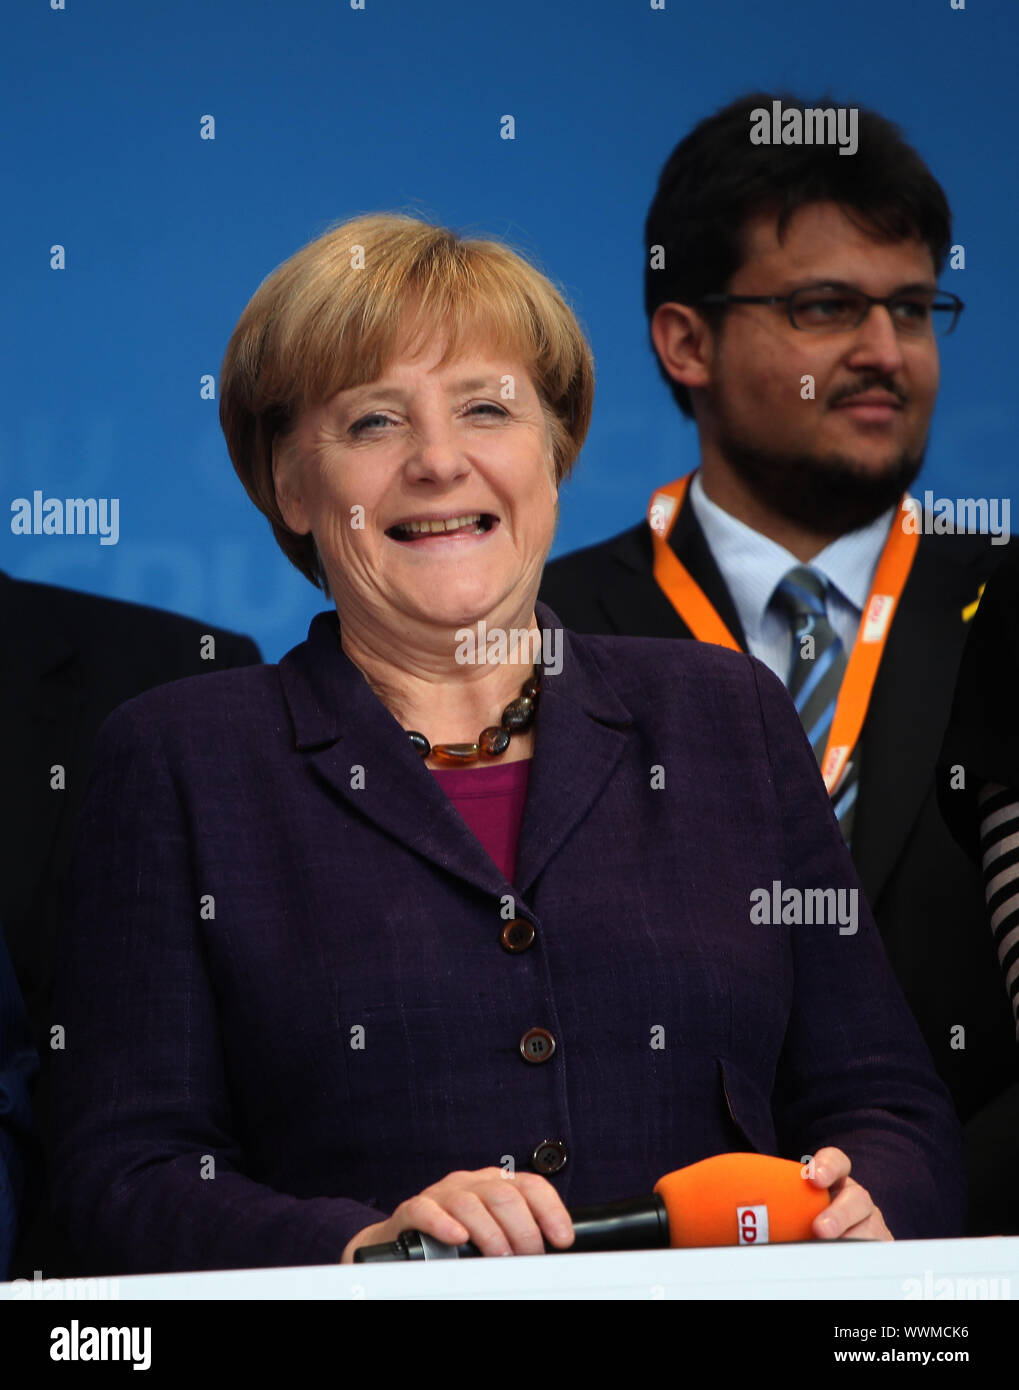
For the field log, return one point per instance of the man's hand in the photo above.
(852, 1211)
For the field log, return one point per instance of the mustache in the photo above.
(872, 383)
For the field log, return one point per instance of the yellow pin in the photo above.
(971, 608)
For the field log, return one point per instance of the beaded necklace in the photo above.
(493, 741)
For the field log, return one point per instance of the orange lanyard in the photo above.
(693, 606)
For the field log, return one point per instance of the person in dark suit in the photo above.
(794, 311)
(70, 659)
(978, 783)
(19, 1063)
(331, 976)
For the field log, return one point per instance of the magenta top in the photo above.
(491, 801)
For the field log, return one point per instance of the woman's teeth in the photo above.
(453, 523)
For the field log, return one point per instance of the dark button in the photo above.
(537, 1045)
(517, 935)
(550, 1156)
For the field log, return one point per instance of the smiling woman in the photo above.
(329, 979)
(332, 318)
(402, 405)
(451, 482)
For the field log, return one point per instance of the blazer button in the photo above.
(517, 935)
(537, 1045)
(550, 1156)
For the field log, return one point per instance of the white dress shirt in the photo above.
(752, 567)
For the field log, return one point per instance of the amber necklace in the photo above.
(493, 741)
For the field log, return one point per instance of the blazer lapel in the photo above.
(635, 603)
(907, 716)
(341, 725)
(361, 752)
(578, 744)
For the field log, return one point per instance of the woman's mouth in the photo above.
(465, 526)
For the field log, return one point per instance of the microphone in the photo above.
(730, 1199)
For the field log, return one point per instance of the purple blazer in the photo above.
(288, 1008)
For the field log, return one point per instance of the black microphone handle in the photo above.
(635, 1223)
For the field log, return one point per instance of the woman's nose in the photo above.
(434, 452)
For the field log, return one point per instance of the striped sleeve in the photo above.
(999, 852)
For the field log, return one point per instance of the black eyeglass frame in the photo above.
(868, 300)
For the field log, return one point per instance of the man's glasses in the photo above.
(835, 308)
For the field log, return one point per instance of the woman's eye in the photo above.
(369, 422)
(377, 420)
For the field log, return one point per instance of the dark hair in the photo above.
(715, 180)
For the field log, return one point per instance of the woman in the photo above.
(323, 983)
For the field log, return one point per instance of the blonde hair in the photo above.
(333, 315)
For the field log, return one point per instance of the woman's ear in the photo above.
(286, 480)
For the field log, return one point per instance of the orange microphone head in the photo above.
(740, 1199)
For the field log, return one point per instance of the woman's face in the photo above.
(464, 442)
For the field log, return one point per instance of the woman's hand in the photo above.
(852, 1211)
(501, 1213)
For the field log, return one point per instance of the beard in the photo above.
(829, 494)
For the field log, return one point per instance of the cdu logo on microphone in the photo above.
(753, 1225)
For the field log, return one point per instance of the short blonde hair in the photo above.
(333, 316)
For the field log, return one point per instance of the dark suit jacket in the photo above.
(18, 1066)
(926, 896)
(69, 659)
(264, 868)
(983, 732)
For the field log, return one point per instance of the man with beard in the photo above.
(794, 309)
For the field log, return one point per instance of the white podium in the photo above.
(943, 1270)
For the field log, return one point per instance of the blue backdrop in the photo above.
(322, 111)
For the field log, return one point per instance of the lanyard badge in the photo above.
(697, 612)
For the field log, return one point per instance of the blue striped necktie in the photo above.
(816, 671)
